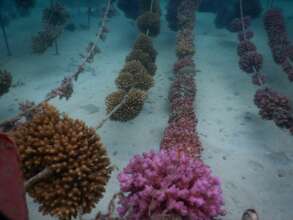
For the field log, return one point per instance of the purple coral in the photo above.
(274, 106)
(169, 182)
(244, 47)
(251, 61)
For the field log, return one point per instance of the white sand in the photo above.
(247, 152)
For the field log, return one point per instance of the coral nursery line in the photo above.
(281, 47)
(136, 77)
(64, 163)
(174, 183)
(65, 89)
(272, 105)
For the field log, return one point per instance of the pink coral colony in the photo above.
(174, 181)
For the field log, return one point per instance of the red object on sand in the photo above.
(12, 193)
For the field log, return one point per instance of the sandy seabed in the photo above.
(253, 158)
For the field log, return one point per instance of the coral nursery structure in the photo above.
(279, 43)
(65, 89)
(54, 19)
(136, 77)
(174, 183)
(272, 105)
(74, 156)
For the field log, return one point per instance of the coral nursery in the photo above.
(146, 109)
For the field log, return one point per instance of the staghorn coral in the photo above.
(144, 58)
(5, 81)
(75, 156)
(149, 22)
(132, 103)
(145, 44)
(169, 182)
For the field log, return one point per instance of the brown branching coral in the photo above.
(134, 75)
(125, 81)
(134, 67)
(5, 82)
(134, 100)
(144, 58)
(149, 22)
(145, 44)
(75, 156)
(142, 81)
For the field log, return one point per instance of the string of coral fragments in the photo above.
(65, 89)
(136, 77)
(174, 183)
(272, 105)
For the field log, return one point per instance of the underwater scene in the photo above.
(146, 109)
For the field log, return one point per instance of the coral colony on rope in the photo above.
(272, 105)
